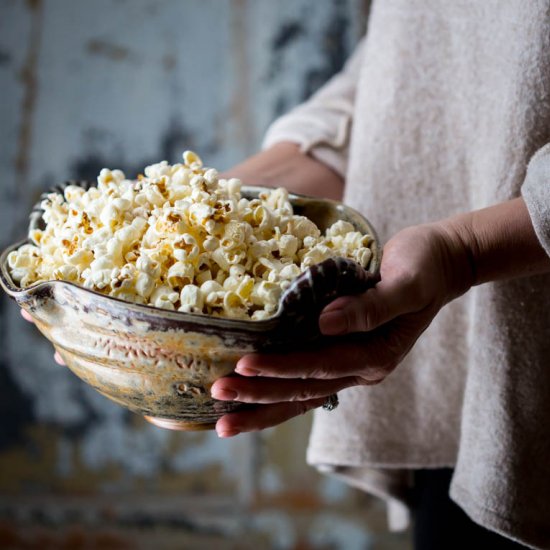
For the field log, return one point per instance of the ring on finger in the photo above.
(331, 402)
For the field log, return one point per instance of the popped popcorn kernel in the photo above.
(180, 238)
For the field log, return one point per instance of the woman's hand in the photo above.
(423, 268)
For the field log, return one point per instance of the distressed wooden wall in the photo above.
(122, 83)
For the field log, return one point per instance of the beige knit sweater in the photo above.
(440, 111)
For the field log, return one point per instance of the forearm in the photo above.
(499, 242)
(284, 165)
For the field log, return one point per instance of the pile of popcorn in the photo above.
(180, 238)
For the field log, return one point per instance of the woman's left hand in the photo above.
(423, 268)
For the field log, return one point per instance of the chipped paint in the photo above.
(108, 49)
(240, 57)
(29, 82)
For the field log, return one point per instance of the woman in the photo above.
(428, 131)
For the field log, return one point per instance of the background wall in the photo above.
(123, 83)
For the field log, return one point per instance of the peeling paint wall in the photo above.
(123, 83)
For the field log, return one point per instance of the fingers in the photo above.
(26, 315)
(370, 357)
(59, 360)
(264, 416)
(272, 390)
(379, 305)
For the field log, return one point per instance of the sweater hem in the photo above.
(497, 522)
(355, 457)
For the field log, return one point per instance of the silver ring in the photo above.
(331, 402)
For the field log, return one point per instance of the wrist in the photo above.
(499, 242)
(458, 255)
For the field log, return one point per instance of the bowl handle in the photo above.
(316, 287)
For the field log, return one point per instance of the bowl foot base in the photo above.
(171, 424)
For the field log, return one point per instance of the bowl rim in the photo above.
(22, 295)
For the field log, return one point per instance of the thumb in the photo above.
(379, 305)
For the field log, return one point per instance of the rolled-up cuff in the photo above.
(536, 194)
(324, 136)
(337, 161)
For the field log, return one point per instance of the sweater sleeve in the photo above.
(322, 125)
(536, 194)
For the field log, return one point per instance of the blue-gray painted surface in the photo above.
(120, 84)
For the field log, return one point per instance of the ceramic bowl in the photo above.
(161, 364)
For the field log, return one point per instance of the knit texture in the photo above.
(440, 112)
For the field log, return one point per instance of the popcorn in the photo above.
(191, 299)
(181, 238)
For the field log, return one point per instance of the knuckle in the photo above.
(376, 373)
(304, 394)
(374, 382)
(371, 311)
(302, 407)
(318, 371)
(396, 345)
(383, 370)
(357, 317)
(372, 319)
(356, 381)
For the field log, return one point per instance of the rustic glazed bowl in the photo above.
(161, 364)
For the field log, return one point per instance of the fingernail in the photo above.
(246, 371)
(224, 395)
(333, 322)
(228, 433)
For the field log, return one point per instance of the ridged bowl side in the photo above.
(160, 366)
